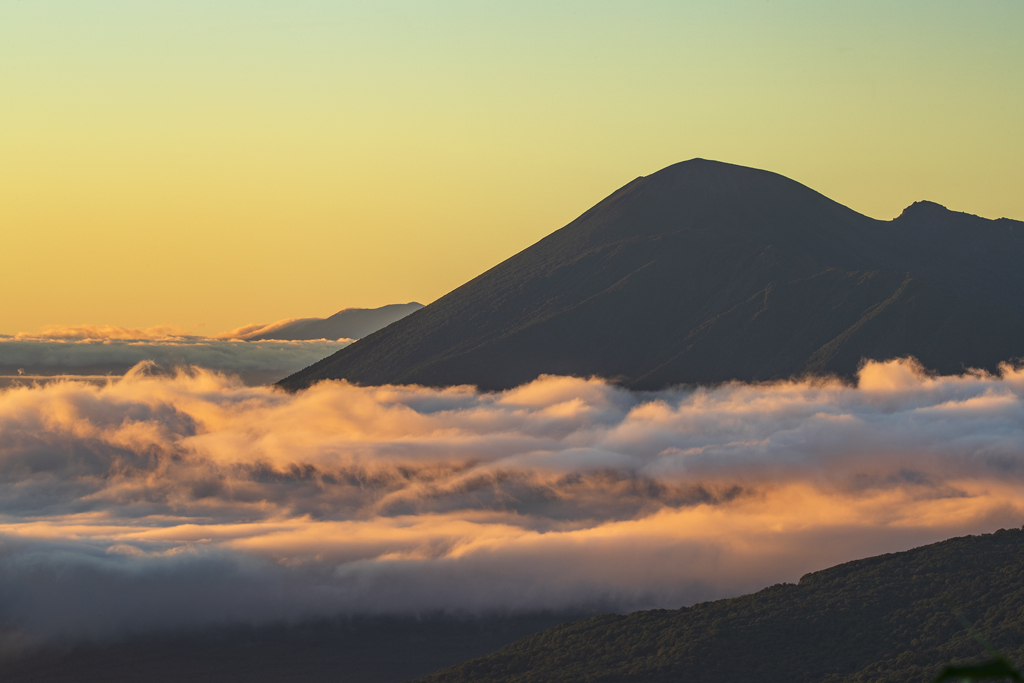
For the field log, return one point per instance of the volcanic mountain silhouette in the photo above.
(706, 272)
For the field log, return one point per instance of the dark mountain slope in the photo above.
(706, 272)
(880, 619)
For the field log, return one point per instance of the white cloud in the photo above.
(156, 500)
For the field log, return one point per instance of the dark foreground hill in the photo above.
(881, 619)
(344, 650)
(706, 272)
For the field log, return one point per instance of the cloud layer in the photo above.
(106, 332)
(153, 501)
(113, 351)
(246, 332)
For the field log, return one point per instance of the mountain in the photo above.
(349, 323)
(886, 618)
(706, 272)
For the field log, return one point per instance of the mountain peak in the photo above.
(924, 209)
(705, 272)
(709, 169)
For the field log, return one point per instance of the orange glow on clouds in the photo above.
(560, 492)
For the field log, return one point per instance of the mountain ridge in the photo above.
(706, 272)
(348, 323)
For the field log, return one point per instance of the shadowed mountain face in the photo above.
(706, 272)
(350, 323)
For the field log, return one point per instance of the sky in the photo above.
(213, 164)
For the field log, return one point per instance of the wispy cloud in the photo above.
(106, 332)
(246, 332)
(156, 500)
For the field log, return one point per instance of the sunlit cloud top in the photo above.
(105, 333)
(193, 498)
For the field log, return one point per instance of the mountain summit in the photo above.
(706, 272)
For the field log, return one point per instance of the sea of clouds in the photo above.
(153, 501)
(99, 350)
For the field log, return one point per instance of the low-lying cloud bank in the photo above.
(106, 332)
(156, 501)
(95, 350)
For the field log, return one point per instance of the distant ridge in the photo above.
(706, 272)
(349, 323)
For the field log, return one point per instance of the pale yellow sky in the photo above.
(212, 164)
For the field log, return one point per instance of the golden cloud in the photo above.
(561, 492)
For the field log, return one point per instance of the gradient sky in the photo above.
(211, 164)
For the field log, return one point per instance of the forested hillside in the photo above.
(887, 618)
